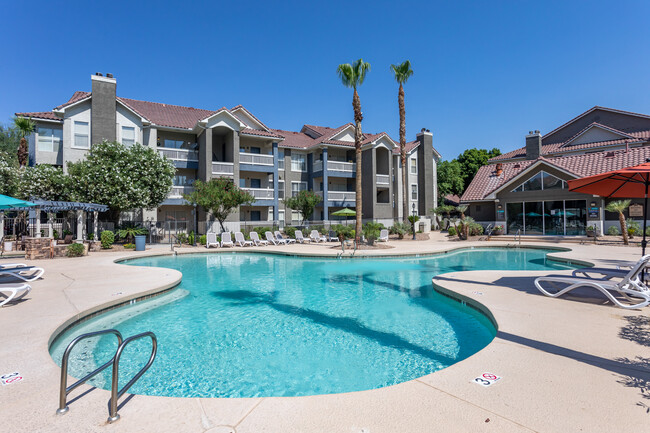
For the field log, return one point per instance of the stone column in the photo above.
(96, 224)
(37, 213)
(325, 186)
(50, 226)
(80, 225)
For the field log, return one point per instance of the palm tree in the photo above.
(402, 73)
(353, 75)
(26, 127)
(619, 206)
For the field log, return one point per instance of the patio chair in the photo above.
(241, 240)
(631, 286)
(332, 236)
(383, 235)
(226, 239)
(255, 237)
(273, 240)
(25, 273)
(300, 238)
(279, 236)
(211, 240)
(13, 292)
(12, 265)
(316, 237)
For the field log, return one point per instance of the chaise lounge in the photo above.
(25, 273)
(15, 292)
(241, 240)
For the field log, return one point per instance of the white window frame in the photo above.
(412, 166)
(122, 128)
(281, 190)
(299, 188)
(281, 215)
(75, 134)
(300, 167)
(296, 216)
(542, 172)
(53, 141)
(416, 191)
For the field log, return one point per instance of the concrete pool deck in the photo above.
(569, 364)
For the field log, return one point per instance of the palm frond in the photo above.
(360, 69)
(353, 75)
(402, 72)
(24, 125)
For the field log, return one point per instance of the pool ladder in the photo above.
(114, 361)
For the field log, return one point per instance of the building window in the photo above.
(128, 136)
(296, 216)
(281, 190)
(49, 139)
(298, 162)
(256, 215)
(183, 180)
(414, 166)
(281, 215)
(414, 192)
(81, 135)
(281, 160)
(297, 187)
(256, 183)
(541, 181)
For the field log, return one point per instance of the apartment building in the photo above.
(269, 163)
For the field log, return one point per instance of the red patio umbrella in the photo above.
(630, 182)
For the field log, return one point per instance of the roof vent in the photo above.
(109, 75)
(99, 74)
(609, 155)
(517, 166)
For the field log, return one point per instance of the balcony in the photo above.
(223, 168)
(256, 159)
(260, 193)
(347, 196)
(383, 179)
(346, 167)
(179, 154)
(178, 191)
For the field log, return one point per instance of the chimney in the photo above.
(103, 110)
(533, 145)
(499, 170)
(425, 171)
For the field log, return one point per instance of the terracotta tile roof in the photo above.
(452, 199)
(174, 116)
(41, 115)
(76, 97)
(236, 107)
(600, 125)
(485, 181)
(409, 147)
(251, 131)
(292, 139)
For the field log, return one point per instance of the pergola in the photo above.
(61, 206)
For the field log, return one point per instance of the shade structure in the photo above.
(629, 182)
(7, 202)
(344, 212)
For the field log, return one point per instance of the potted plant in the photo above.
(131, 232)
(592, 231)
(9, 243)
(497, 230)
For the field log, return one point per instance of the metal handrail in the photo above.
(115, 394)
(518, 234)
(488, 231)
(65, 390)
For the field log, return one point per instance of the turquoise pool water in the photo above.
(249, 325)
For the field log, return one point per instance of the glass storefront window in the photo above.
(576, 217)
(534, 183)
(552, 182)
(515, 215)
(554, 217)
(534, 215)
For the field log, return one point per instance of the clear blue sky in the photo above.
(485, 72)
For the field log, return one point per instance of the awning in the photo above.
(60, 206)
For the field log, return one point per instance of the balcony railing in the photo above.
(178, 191)
(261, 193)
(349, 167)
(339, 195)
(383, 179)
(318, 165)
(223, 168)
(179, 154)
(255, 159)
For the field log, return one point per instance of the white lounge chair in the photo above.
(211, 240)
(25, 273)
(241, 240)
(226, 239)
(256, 239)
(273, 240)
(14, 292)
(300, 238)
(332, 236)
(279, 237)
(631, 286)
(12, 265)
(383, 235)
(316, 237)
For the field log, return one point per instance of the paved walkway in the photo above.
(567, 365)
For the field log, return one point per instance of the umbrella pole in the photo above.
(645, 216)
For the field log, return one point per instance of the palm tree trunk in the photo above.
(621, 219)
(402, 152)
(358, 117)
(23, 152)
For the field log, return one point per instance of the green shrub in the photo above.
(182, 238)
(475, 229)
(190, 238)
(290, 231)
(371, 231)
(203, 239)
(128, 232)
(343, 231)
(614, 231)
(633, 228)
(320, 228)
(91, 236)
(452, 231)
(107, 239)
(55, 233)
(129, 246)
(75, 250)
(647, 231)
(261, 231)
(400, 229)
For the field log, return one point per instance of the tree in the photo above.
(8, 176)
(402, 73)
(450, 179)
(218, 196)
(620, 206)
(304, 202)
(43, 182)
(473, 159)
(121, 177)
(352, 76)
(26, 127)
(9, 142)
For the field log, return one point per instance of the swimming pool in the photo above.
(250, 324)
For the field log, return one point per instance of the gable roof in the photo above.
(76, 97)
(595, 125)
(175, 116)
(47, 115)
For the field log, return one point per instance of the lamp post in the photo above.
(413, 222)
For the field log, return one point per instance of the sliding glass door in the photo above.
(560, 217)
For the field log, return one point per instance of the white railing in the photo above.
(349, 167)
(223, 168)
(179, 154)
(255, 159)
(383, 179)
(178, 191)
(339, 195)
(261, 193)
(318, 165)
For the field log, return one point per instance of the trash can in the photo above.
(140, 241)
